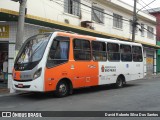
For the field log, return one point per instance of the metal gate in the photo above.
(150, 62)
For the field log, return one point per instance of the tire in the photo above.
(62, 89)
(119, 83)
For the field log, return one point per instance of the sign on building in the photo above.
(43, 31)
(4, 31)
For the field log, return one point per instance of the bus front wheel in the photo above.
(62, 89)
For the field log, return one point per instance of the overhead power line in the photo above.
(88, 11)
(103, 12)
(148, 6)
(98, 10)
(143, 6)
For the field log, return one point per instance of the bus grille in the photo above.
(23, 80)
(25, 86)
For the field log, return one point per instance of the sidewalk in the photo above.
(3, 89)
(152, 76)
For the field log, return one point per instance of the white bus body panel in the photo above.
(130, 70)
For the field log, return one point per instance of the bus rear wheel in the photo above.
(120, 82)
(62, 89)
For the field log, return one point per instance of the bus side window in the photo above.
(113, 52)
(59, 51)
(137, 54)
(126, 54)
(99, 51)
(82, 49)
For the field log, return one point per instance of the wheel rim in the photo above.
(63, 89)
(119, 82)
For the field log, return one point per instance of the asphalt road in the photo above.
(138, 95)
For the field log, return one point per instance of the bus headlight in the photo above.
(37, 73)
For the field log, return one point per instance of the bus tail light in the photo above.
(37, 73)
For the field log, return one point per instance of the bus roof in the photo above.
(118, 41)
(69, 34)
(75, 35)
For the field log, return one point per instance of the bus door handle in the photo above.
(91, 66)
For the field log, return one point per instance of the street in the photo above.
(138, 95)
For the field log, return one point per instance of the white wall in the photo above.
(54, 10)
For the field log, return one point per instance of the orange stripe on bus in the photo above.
(76, 36)
(80, 73)
(16, 75)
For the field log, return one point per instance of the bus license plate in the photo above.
(20, 85)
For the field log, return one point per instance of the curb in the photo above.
(12, 94)
(152, 77)
(8, 94)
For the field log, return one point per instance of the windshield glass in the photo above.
(33, 49)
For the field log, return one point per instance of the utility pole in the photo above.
(20, 27)
(134, 22)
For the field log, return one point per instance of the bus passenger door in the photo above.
(85, 74)
(85, 69)
(79, 73)
(91, 74)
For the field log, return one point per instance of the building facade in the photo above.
(156, 12)
(100, 18)
(7, 44)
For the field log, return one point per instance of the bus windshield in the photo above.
(33, 49)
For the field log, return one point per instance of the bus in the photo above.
(62, 61)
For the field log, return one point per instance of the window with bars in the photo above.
(72, 7)
(97, 14)
(117, 21)
(150, 32)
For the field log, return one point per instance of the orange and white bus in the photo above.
(62, 61)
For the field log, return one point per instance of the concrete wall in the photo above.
(54, 10)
